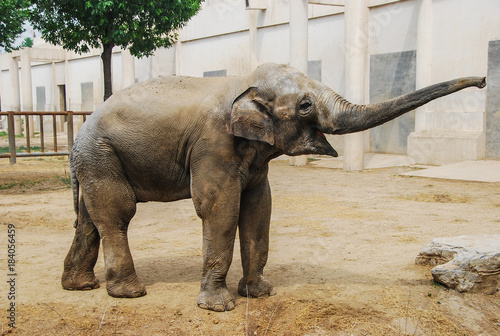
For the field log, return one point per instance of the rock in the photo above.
(465, 263)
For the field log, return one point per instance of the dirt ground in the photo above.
(342, 256)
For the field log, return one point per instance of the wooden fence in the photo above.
(12, 154)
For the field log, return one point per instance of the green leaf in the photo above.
(13, 14)
(79, 25)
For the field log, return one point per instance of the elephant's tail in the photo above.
(75, 185)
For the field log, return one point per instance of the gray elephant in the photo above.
(209, 139)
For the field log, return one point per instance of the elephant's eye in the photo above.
(305, 107)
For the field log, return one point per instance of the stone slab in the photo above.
(481, 171)
(493, 102)
(465, 263)
(392, 75)
(372, 161)
(445, 147)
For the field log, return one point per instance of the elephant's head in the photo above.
(287, 109)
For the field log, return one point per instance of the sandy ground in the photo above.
(342, 256)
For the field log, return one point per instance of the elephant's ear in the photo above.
(250, 117)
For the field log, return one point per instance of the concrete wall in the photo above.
(7, 90)
(226, 52)
(453, 127)
(41, 80)
(393, 28)
(225, 36)
(84, 70)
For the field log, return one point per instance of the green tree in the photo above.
(140, 25)
(13, 13)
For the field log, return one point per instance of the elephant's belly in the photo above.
(162, 193)
(155, 185)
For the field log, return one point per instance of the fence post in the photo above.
(54, 131)
(70, 131)
(28, 132)
(12, 137)
(42, 135)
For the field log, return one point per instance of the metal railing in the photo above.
(12, 154)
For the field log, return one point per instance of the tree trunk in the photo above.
(106, 63)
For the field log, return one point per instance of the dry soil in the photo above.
(342, 256)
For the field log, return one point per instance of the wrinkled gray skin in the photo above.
(209, 139)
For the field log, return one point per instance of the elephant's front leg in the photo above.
(255, 216)
(218, 208)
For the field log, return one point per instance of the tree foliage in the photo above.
(27, 43)
(140, 25)
(13, 13)
(144, 25)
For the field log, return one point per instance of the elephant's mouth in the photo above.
(321, 134)
(322, 146)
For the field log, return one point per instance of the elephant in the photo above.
(209, 139)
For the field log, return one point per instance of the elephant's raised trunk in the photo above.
(342, 117)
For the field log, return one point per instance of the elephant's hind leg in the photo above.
(111, 202)
(79, 263)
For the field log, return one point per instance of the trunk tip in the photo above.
(482, 84)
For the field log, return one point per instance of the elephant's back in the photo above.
(176, 90)
(176, 108)
(165, 98)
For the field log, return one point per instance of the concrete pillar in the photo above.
(254, 40)
(16, 97)
(424, 56)
(55, 98)
(298, 48)
(54, 87)
(356, 58)
(67, 88)
(128, 69)
(3, 119)
(27, 86)
(299, 34)
(67, 81)
(99, 87)
(158, 61)
(426, 146)
(178, 57)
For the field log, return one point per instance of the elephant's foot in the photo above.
(219, 299)
(72, 280)
(257, 288)
(129, 287)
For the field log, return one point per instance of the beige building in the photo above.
(367, 50)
